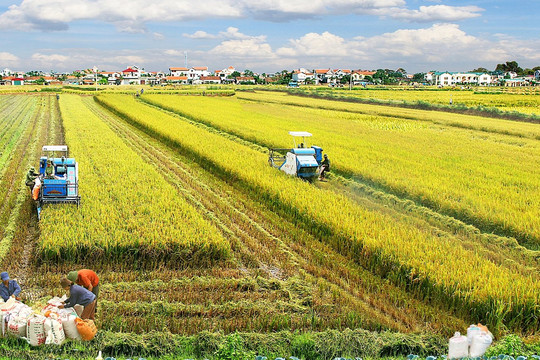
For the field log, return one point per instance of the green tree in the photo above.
(480, 70)
(248, 73)
(509, 66)
(419, 77)
(235, 74)
(40, 81)
(345, 79)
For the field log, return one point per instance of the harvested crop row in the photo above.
(458, 172)
(128, 213)
(14, 120)
(436, 267)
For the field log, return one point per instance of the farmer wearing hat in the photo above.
(49, 170)
(87, 279)
(9, 288)
(31, 178)
(79, 296)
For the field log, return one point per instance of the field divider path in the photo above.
(295, 255)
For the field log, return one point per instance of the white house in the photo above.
(176, 79)
(358, 76)
(178, 71)
(324, 76)
(486, 79)
(132, 76)
(196, 72)
(225, 72)
(301, 75)
(210, 79)
(448, 78)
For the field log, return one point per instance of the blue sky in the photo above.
(268, 35)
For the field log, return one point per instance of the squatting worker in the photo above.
(325, 167)
(9, 288)
(79, 296)
(87, 279)
(31, 178)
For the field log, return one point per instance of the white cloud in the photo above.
(254, 48)
(173, 52)
(313, 44)
(158, 36)
(52, 59)
(8, 59)
(436, 13)
(133, 15)
(233, 33)
(440, 46)
(199, 35)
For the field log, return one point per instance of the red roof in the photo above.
(200, 68)
(210, 78)
(17, 79)
(363, 72)
(129, 71)
(245, 78)
(323, 71)
(178, 69)
(176, 77)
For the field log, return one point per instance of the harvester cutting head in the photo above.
(301, 160)
(60, 177)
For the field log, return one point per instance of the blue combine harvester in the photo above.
(59, 178)
(299, 161)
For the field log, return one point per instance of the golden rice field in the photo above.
(428, 222)
(129, 212)
(488, 179)
(525, 102)
(439, 264)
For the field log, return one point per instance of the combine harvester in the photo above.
(62, 186)
(299, 161)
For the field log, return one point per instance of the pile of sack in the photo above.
(474, 345)
(50, 325)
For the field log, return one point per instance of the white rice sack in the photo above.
(70, 326)
(35, 331)
(54, 331)
(17, 326)
(17, 323)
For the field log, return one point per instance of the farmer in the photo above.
(87, 279)
(325, 166)
(49, 170)
(9, 288)
(79, 296)
(31, 178)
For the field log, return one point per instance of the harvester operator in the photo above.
(9, 288)
(87, 279)
(325, 166)
(49, 170)
(79, 296)
(31, 178)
